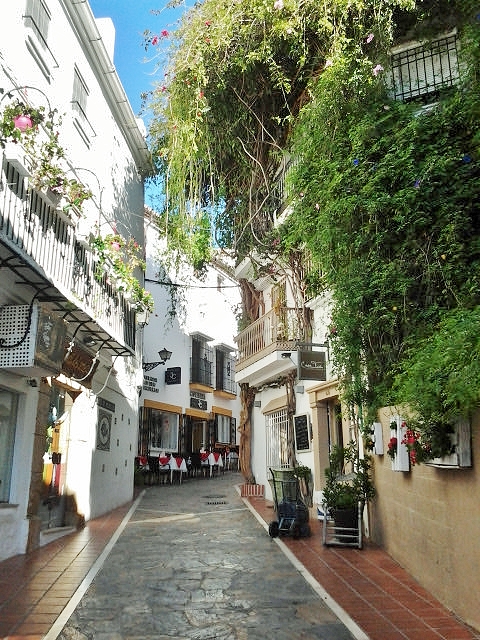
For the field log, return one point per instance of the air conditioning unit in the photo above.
(32, 339)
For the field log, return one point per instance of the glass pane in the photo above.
(8, 420)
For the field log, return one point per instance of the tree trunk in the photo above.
(247, 396)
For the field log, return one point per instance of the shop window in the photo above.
(163, 430)
(223, 428)
(8, 421)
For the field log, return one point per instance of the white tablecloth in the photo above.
(215, 460)
(173, 465)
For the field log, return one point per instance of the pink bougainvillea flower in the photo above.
(376, 70)
(155, 40)
(201, 95)
(115, 246)
(164, 33)
(328, 63)
(278, 4)
(369, 38)
(208, 23)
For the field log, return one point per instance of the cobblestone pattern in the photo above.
(193, 563)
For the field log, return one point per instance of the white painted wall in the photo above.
(206, 310)
(109, 166)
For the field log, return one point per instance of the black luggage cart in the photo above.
(292, 512)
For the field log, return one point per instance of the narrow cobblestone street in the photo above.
(193, 562)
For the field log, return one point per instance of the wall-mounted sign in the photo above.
(312, 365)
(173, 375)
(78, 364)
(150, 384)
(302, 432)
(198, 403)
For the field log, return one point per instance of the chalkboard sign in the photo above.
(302, 432)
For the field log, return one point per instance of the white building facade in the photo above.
(190, 402)
(284, 360)
(70, 360)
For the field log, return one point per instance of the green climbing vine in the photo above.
(382, 194)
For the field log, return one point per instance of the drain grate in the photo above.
(216, 502)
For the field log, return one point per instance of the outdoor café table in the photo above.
(178, 464)
(215, 460)
(165, 466)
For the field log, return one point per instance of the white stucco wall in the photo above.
(204, 309)
(109, 166)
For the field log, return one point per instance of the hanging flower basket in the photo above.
(19, 119)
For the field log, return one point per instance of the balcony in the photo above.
(274, 331)
(41, 251)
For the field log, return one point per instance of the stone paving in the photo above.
(194, 563)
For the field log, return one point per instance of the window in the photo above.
(276, 430)
(80, 94)
(421, 71)
(201, 362)
(225, 372)
(37, 21)
(223, 428)
(8, 421)
(37, 16)
(162, 427)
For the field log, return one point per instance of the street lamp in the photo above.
(164, 355)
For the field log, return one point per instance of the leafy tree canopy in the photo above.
(383, 195)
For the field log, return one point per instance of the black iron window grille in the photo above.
(420, 72)
(201, 370)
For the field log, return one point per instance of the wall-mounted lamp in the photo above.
(32, 382)
(257, 403)
(164, 354)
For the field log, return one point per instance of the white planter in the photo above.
(401, 461)
(16, 156)
(68, 212)
(53, 198)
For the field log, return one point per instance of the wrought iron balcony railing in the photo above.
(39, 238)
(274, 331)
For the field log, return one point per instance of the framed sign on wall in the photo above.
(303, 434)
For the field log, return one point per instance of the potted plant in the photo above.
(119, 257)
(348, 485)
(17, 119)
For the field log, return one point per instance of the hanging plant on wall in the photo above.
(18, 120)
(117, 258)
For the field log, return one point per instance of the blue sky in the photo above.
(131, 18)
